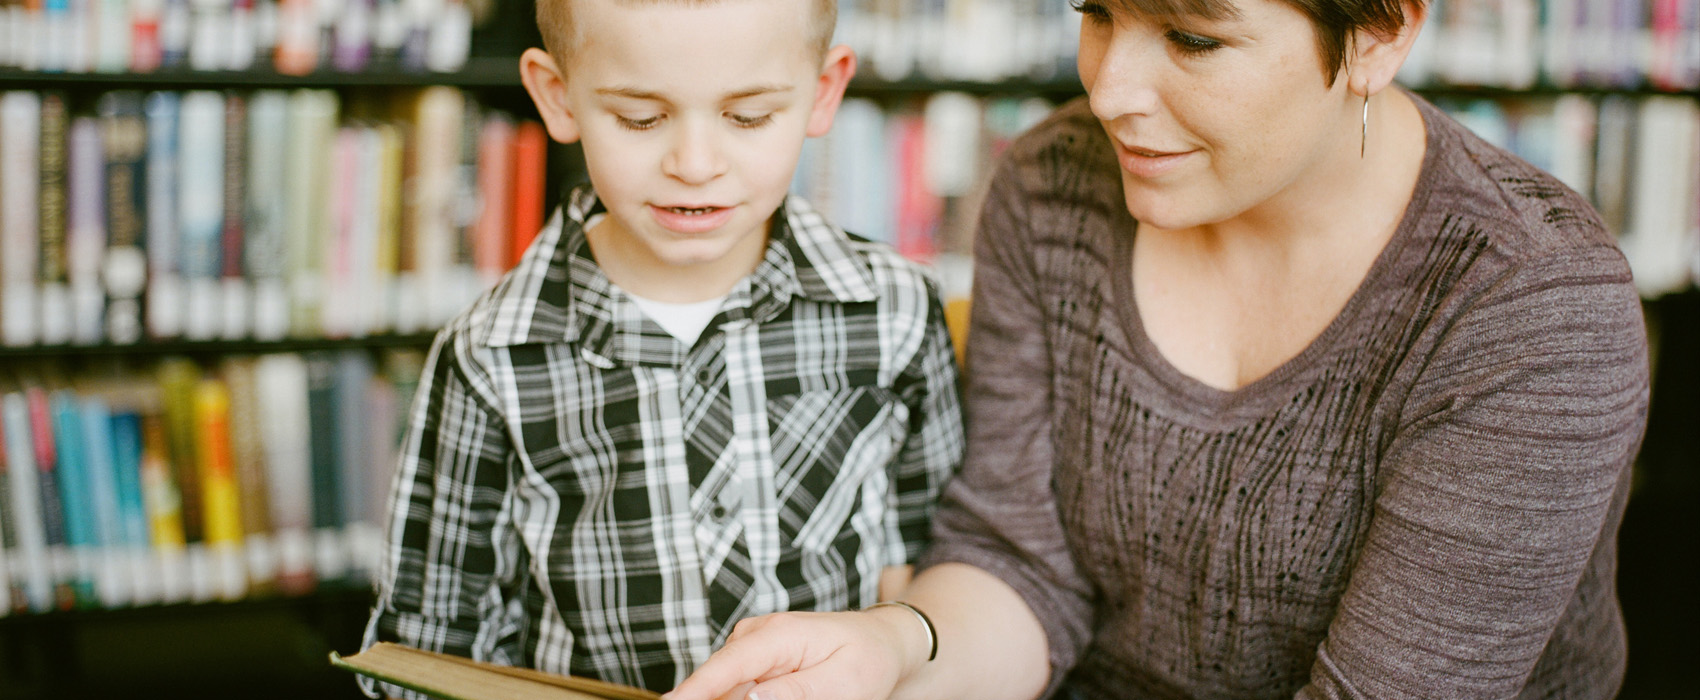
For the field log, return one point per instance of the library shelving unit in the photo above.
(270, 645)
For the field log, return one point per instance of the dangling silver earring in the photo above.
(1363, 144)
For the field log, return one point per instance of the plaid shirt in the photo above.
(579, 492)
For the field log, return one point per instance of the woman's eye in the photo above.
(1092, 11)
(750, 121)
(1192, 43)
(643, 124)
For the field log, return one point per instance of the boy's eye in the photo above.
(643, 124)
(1093, 12)
(750, 121)
(1192, 43)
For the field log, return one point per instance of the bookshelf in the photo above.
(273, 644)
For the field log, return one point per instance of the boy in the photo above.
(693, 401)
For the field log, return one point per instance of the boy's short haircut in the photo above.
(555, 22)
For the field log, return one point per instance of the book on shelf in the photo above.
(31, 567)
(165, 310)
(124, 269)
(55, 295)
(86, 235)
(20, 165)
(455, 678)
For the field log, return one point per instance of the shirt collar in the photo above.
(557, 292)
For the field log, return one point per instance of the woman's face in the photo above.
(1212, 119)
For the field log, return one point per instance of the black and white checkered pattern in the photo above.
(581, 493)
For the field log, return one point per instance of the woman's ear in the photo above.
(547, 84)
(835, 73)
(1375, 57)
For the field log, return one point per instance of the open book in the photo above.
(456, 678)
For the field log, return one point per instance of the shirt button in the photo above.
(704, 376)
(718, 512)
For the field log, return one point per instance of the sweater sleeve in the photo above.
(1506, 478)
(999, 514)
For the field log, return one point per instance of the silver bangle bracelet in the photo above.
(926, 623)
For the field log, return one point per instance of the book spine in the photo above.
(11, 595)
(248, 456)
(438, 142)
(338, 320)
(176, 21)
(297, 37)
(76, 494)
(265, 248)
(222, 499)
(388, 174)
(34, 572)
(235, 297)
(329, 550)
(200, 203)
(165, 305)
(113, 578)
(145, 49)
(124, 270)
(164, 504)
(490, 232)
(350, 387)
(177, 381)
(531, 146)
(243, 43)
(55, 294)
(20, 165)
(85, 245)
(113, 48)
(313, 116)
(286, 436)
(136, 549)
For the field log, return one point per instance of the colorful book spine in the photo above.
(388, 186)
(113, 578)
(177, 380)
(297, 51)
(200, 202)
(20, 165)
(490, 231)
(531, 146)
(164, 504)
(135, 543)
(85, 240)
(145, 48)
(33, 572)
(222, 498)
(176, 22)
(165, 305)
(8, 533)
(125, 269)
(55, 293)
(76, 494)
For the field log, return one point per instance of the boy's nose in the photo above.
(695, 158)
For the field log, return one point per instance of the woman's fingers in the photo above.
(796, 656)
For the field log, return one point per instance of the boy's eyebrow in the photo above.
(637, 94)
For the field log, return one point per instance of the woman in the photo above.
(1281, 384)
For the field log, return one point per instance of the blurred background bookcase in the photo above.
(284, 412)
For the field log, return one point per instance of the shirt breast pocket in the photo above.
(829, 448)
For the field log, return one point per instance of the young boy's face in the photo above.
(692, 117)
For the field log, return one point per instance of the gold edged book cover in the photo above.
(455, 678)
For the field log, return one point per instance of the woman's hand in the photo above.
(811, 656)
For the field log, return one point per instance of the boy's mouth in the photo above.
(692, 219)
(692, 211)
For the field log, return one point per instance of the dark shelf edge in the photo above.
(337, 594)
(216, 347)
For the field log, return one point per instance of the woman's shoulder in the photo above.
(1523, 212)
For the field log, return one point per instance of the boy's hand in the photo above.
(811, 656)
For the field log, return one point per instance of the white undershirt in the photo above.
(682, 321)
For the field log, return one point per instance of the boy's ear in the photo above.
(1374, 58)
(835, 74)
(548, 87)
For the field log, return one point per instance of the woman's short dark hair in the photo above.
(1334, 20)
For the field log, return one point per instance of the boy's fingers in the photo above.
(813, 683)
